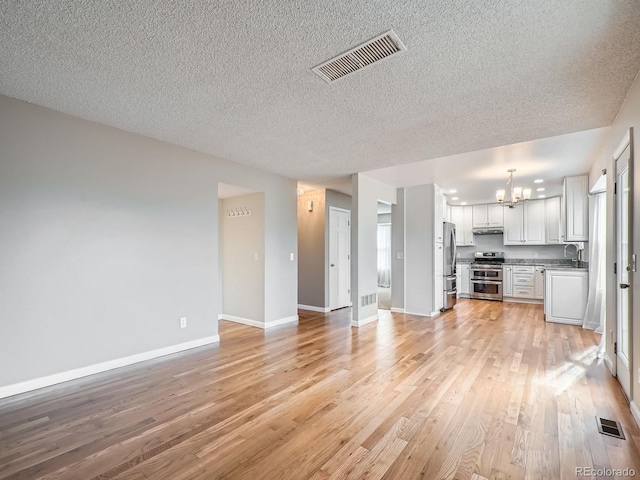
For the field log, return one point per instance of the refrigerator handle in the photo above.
(453, 250)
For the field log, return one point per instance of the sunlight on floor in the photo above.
(563, 376)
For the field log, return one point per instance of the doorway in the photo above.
(339, 258)
(241, 255)
(624, 265)
(384, 256)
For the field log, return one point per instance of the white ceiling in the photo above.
(477, 175)
(234, 79)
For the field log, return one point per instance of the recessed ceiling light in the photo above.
(454, 198)
(463, 203)
(453, 191)
(542, 196)
(541, 189)
(538, 180)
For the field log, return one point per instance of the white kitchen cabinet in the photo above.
(438, 216)
(438, 268)
(576, 209)
(488, 215)
(457, 217)
(552, 219)
(513, 226)
(480, 217)
(565, 296)
(439, 293)
(463, 219)
(507, 285)
(534, 223)
(538, 283)
(464, 282)
(495, 214)
(521, 283)
(525, 224)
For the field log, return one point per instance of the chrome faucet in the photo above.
(578, 258)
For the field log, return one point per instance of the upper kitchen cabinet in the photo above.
(525, 224)
(575, 209)
(463, 219)
(490, 215)
(552, 220)
(439, 213)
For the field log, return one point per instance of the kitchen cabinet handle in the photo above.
(624, 285)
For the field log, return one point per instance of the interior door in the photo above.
(339, 258)
(623, 277)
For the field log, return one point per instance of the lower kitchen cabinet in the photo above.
(565, 296)
(463, 280)
(520, 283)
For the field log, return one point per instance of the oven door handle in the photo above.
(487, 282)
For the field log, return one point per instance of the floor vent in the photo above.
(610, 427)
(368, 299)
(365, 55)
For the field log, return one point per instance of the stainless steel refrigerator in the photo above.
(449, 270)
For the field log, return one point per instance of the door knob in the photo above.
(624, 285)
(333, 264)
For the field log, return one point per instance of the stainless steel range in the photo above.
(486, 276)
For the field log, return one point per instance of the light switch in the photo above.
(400, 256)
(291, 257)
(255, 256)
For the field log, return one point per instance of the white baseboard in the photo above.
(564, 322)
(360, 323)
(282, 321)
(608, 362)
(635, 412)
(397, 310)
(254, 323)
(61, 377)
(313, 309)
(244, 321)
(533, 301)
(419, 314)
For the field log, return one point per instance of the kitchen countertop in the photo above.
(548, 263)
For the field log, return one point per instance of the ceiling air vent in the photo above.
(379, 48)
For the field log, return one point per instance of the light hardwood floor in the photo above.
(486, 391)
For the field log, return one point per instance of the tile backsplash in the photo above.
(493, 243)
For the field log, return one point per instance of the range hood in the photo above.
(488, 231)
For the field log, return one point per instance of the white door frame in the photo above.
(341, 210)
(625, 382)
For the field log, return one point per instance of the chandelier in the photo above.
(517, 193)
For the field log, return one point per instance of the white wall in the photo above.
(242, 243)
(397, 246)
(364, 242)
(419, 247)
(108, 238)
(628, 116)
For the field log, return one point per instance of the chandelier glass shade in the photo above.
(518, 194)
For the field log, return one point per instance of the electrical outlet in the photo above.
(183, 322)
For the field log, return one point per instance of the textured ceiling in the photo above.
(233, 78)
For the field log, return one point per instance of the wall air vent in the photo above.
(365, 55)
